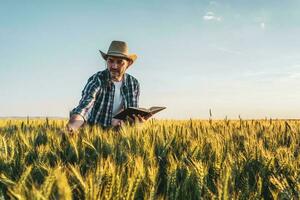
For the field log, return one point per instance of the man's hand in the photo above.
(75, 122)
(117, 122)
(138, 119)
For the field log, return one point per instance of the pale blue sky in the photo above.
(235, 57)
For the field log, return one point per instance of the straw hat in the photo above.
(119, 49)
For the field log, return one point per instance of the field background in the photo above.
(161, 159)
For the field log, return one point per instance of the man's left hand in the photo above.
(140, 119)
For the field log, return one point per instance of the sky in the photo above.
(237, 58)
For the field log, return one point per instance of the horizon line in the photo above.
(209, 118)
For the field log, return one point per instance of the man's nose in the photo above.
(114, 65)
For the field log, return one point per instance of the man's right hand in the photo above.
(116, 122)
(75, 122)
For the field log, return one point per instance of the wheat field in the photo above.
(161, 159)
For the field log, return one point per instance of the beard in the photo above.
(115, 74)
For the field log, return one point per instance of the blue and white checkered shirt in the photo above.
(97, 100)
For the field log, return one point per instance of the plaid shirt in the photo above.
(97, 100)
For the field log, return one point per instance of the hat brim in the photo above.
(131, 57)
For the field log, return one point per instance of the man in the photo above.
(108, 91)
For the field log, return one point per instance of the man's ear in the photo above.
(129, 63)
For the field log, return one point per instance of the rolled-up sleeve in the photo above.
(89, 94)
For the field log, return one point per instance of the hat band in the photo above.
(116, 52)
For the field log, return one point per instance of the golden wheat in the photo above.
(161, 159)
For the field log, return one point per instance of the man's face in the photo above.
(117, 67)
